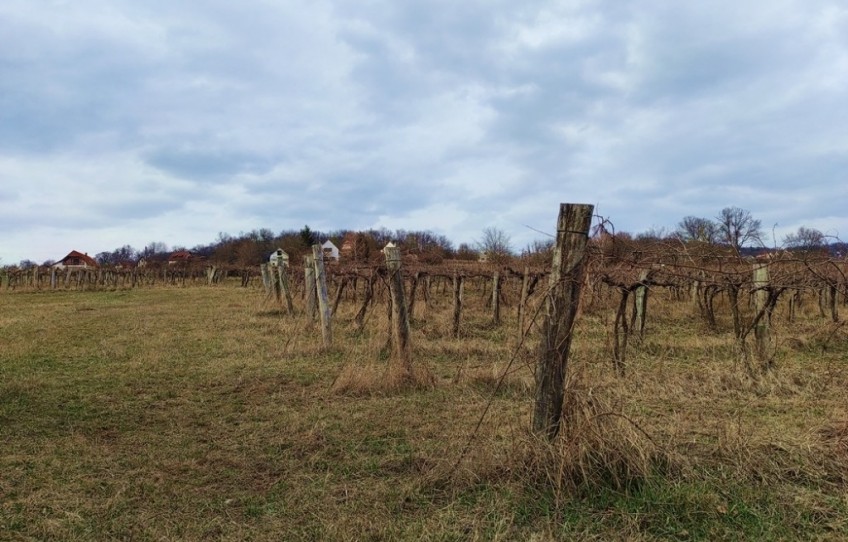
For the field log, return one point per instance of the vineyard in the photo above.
(704, 399)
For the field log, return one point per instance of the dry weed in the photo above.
(373, 378)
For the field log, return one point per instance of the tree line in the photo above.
(733, 227)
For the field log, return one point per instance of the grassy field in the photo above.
(204, 413)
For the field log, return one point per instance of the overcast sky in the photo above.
(126, 122)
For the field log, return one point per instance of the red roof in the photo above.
(180, 255)
(83, 258)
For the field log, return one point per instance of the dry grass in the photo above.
(204, 413)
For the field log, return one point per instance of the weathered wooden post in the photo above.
(496, 298)
(309, 287)
(762, 333)
(563, 298)
(641, 305)
(281, 262)
(833, 301)
(457, 303)
(323, 299)
(413, 288)
(400, 317)
(522, 303)
(266, 279)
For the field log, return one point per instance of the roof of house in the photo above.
(180, 255)
(80, 256)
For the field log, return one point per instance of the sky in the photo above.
(127, 122)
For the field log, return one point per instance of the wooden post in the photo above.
(283, 282)
(762, 333)
(412, 290)
(400, 317)
(833, 300)
(457, 303)
(323, 299)
(563, 298)
(496, 298)
(641, 300)
(309, 287)
(522, 303)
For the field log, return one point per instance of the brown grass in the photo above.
(197, 413)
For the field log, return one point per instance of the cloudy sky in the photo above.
(126, 122)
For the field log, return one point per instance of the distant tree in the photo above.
(27, 264)
(153, 249)
(466, 252)
(248, 252)
(308, 237)
(736, 227)
(694, 228)
(427, 244)
(496, 244)
(125, 253)
(653, 234)
(363, 247)
(539, 252)
(206, 251)
(806, 239)
(381, 237)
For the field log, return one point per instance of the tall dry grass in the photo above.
(192, 413)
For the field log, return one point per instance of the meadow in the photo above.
(207, 412)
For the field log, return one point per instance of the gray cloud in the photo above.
(183, 120)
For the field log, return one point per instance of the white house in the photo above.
(390, 244)
(331, 251)
(279, 256)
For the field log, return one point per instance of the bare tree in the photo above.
(694, 228)
(495, 244)
(736, 227)
(805, 239)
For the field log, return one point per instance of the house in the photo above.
(279, 256)
(181, 256)
(76, 260)
(390, 244)
(331, 251)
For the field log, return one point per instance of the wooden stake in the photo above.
(309, 287)
(522, 304)
(400, 317)
(323, 300)
(496, 298)
(563, 298)
(457, 303)
(762, 333)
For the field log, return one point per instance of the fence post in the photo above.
(283, 281)
(762, 333)
(323, 299)
(309, 287)
(641, 301)
(563, 297)
(522, 303)
(457, 303)
(400, 317)
(496, 298)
